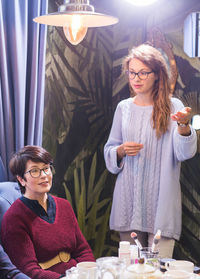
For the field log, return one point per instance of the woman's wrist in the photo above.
(184, 128)
(120, 152)
(184, 124)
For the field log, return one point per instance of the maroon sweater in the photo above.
(29, 240)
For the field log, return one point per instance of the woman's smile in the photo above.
(137, 86)
(44, 183)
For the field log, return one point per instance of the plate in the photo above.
(195, 276)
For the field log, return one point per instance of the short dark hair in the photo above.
(20, 158)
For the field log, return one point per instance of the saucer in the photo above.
(194, 276)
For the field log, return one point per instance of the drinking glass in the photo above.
(151, 258)
(110, 267)
(72, 273)
(87, 270)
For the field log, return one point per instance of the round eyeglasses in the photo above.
(36, 172)
(141, 74)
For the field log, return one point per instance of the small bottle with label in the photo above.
(134, 254)
(124, 252)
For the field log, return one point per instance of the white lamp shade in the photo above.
(88, 19)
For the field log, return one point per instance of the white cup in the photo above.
(87, 270)
(180, 265)
(177, 274)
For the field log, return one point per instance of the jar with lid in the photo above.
(141, 271)
(163, 262)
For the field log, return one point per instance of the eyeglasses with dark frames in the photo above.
(36, 172)
(141, 74)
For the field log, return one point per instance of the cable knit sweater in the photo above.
(28, 239)
(147, 193)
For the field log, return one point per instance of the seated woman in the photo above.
(40, 232)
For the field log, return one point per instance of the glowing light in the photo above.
(76, 16)
(196, 122)
(141, 2)
(75, 33)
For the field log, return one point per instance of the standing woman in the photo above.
(40, 232)
(149, 138)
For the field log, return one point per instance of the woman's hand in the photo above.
(128, 148)
(183, 118)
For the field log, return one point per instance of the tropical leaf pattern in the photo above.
(187, 91)
(78, 115)
(92, 211)
(83, 86)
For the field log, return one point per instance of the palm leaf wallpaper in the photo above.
(83, 86)
(187, 90)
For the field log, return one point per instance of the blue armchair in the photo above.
(9, 192)
(2, 171)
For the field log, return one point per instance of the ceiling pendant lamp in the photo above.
(75, 16)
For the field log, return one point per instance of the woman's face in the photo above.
(36, 186)
(144, 87)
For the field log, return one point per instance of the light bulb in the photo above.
(75, 32)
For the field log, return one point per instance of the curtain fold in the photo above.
(22, 74)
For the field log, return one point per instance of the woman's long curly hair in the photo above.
(153, 59)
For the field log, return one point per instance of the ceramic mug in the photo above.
(177, 274)
(180, 265)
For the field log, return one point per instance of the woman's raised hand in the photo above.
(183, 116)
